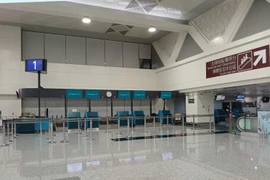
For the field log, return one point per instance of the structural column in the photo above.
(199, 103)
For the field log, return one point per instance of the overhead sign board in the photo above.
(139, 94)
(244, 61)
(73, 94)
(166, 94)
(92, 94)
(124, 94)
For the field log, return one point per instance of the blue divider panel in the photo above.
(73, 125)
(45, 124)
(220, 115)
(119, 114)
(96, 123)
(164, 114)
(140, 117)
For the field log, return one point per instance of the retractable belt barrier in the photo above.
(10, 134)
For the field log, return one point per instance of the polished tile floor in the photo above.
(200, 156)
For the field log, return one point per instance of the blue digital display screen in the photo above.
(34, 65)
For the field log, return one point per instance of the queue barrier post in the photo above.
(64, 133)
(118, 130)
(4, 144)
(128, 126)
(51, 132)
(84, 128)
(15, 129)
(40, 126)
(154, 124)
(107, 120)
(91, 130)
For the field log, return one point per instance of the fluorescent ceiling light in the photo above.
(86, 20)
(152, 29)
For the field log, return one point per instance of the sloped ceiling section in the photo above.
(213, 23)
(259, 14)
(190, 48)
(167, 43)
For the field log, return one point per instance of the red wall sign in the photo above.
(245, 61)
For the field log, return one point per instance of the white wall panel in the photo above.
(145, 51)
(95, 52)
(55, 48)
(33, 45)
(10, 105)
(131, 55)
(114, 54)
(191, 74)
(76, 50)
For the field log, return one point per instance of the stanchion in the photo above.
(168, 123)
(214, 125)
(132, 127)
(4, 135)
(183, 123)
(154, 124)
(64, 132)
(84, 128)
(40, 126)
(79, 129)
(12, 134)
(128, 124)
(161, 119)
(193, 123)
(118, 131)
(91, 129)
(145, 132)
(210, 125)
(107, 131)
(15, 129)
(8, 131)
(51, 133)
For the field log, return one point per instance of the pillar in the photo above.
(200, 103)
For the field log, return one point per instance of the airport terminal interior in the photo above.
(134, 89)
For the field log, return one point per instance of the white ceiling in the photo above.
(163, 8)
(40, 19)
(133, 16)
(251, 90)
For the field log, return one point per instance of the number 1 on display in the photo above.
(35, 65)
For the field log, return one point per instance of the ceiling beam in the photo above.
(100, 14)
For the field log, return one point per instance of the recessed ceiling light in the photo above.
(86, 20)
(218, 39)
(152, 29)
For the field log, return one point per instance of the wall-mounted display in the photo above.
(36, 65)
